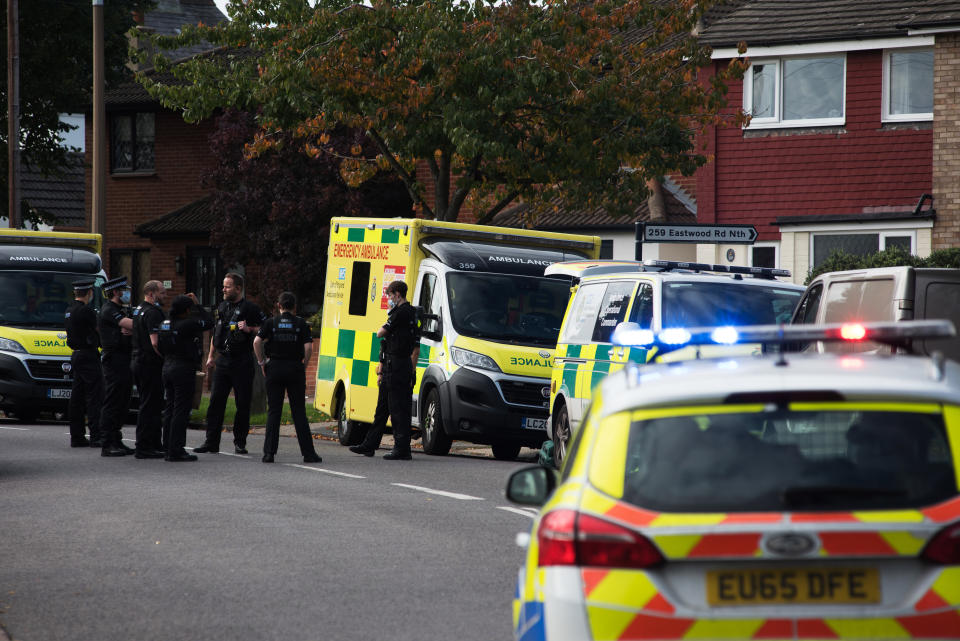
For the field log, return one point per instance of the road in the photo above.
(231, 548)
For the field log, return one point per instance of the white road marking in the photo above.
(517, 510)
(451, 495)
(320, 469)
(21, 429)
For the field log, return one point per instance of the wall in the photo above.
(946, 141)
(759, 175)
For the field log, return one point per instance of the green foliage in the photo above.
(56, 76)
(513, 99)
(316, 323)
(895, 257)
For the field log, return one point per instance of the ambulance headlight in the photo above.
(7, 345)
(466, 358)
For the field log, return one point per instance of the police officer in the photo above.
(396, 372)
(287, 342)
(86, 394)
(116, 327)
(181, 341)
(147, 365)
(232, 364)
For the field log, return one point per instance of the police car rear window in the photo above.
(705, 304)
(789, 459)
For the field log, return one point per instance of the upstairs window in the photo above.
(795, 92)
(908, 85)
(131, 143)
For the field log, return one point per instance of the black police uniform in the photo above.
(395, 394)
(117, 377)
(284, 337)
(234, 370)
(147, 368)
(181, 343)
(86, 394)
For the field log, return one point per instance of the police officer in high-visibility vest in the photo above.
(181, 341)
(86, 394)
(396, 373)
(283, 347)
(147, 364)
(116, 327)
(230, 364)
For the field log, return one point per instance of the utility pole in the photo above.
(13, 114)
(99, 122)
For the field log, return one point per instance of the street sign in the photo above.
(693, 233)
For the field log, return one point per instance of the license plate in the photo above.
(793, 585)
(58, 393)
(535, 423)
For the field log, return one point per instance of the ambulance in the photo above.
(37, 270)
(490, 320)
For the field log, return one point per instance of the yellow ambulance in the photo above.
(490, 320)
(37, 270)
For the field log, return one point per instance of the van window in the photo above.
(429, 302)
(642, 311)
(359, 280)
(583, 314)
(808, 307)
(613, 310)
(862, 300)
(942, 300)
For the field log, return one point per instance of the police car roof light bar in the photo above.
(758, 272)
(888, 333)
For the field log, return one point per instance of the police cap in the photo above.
(120, 282)
(83, 283)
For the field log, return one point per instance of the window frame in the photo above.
(777, 121)
(132, 117)
(882, 234)
(886, 116)
(776, 252)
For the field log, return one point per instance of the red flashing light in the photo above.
(853, 332)
(944, 547)
(567, 537)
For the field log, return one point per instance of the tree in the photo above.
(56, 75)
(585, 101)
(275, 208)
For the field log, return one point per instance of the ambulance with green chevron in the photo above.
(489, 324)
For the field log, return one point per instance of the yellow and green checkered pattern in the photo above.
(376, 236)
(357, 352)
(578, 379)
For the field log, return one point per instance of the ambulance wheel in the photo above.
(348, 432)
(561, 435)
(435, 440)
(505, 451)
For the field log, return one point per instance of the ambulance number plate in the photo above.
(793, 585)
(535, 423)
(58, 393)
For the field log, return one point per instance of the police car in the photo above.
(655, 294)
(786, 496)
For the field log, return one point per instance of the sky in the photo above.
(223, 5)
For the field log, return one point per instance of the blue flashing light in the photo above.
(725, 335)
(675, 336)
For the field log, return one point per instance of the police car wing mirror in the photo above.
(531, 485)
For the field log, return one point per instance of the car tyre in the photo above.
(561, 435)
(435, 439)
(348, 432)
(505, 451)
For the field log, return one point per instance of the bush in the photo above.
(315, 321)
(895, 257)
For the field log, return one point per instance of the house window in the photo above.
(861, 244)
(205, 273)
(908, 85)
(763, 255)
(135, 265)
(606, 248)
(795, 92)
(131, 142)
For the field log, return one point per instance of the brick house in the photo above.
(855, 118)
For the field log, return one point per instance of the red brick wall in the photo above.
(182, 156)
(946, 141)
(759, 176)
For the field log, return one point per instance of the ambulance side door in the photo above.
(641, 313)
(573, 346)
(429, 298)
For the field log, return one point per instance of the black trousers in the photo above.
(287, 377)
(233, 372)
(117, 385)
(149, 376)
(393, 400)
(179, 382)
(86, 394)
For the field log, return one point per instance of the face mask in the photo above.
(125, 297)
(391, 303)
